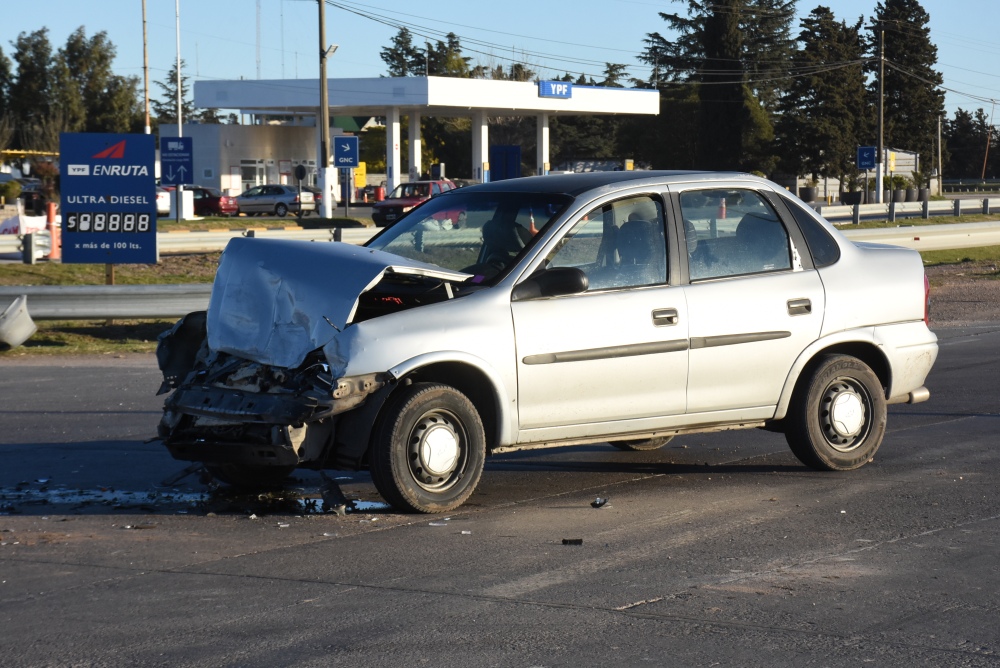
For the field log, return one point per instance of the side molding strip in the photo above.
(610, 352)
(735, 339)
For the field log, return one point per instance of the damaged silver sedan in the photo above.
(621, 307)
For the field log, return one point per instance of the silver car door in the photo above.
(598, 361)
(753, 306)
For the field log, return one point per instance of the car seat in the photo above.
(765, 243)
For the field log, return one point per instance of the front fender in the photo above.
(505, 400)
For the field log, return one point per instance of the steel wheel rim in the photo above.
(437, 450)
(845, 411)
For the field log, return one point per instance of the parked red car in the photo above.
(212, 202)
(404, 197)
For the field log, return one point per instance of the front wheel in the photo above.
(643, 445)
(428, 449)
(837, 418)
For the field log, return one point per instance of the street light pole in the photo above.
(879, 157)
(145, 68)
(179, 188)
(326, 172)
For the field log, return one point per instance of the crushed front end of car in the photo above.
(253, 395)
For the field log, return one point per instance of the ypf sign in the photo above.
(108, 198)
(558, 89)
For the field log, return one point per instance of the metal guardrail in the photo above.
(99, 302)
(211, 240)
(956, 207)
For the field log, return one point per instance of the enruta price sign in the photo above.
(108, 191)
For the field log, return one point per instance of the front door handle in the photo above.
(799, 307)
(664, 317)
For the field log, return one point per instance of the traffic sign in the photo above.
(866, 157)
(345, 152)
(108, 198)
(176, 161)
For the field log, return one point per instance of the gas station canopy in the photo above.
(390, 97)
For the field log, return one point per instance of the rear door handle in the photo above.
(799, 307)
(664, 317)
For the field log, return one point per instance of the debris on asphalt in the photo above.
(598, 502)
(197, 467)
(572, 541)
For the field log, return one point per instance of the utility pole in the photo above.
(940, 164)
(145, 66)
(989, 138)
(879, 171)
(179, 189)
(326, 173)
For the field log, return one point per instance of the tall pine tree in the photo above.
(736, 53)
(824, 115)
(914, 100)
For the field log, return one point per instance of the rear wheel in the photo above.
(643, 445)
(837, 418)
(281, 210)
(248, 476)
(428, 449)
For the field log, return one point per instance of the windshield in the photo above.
(411, 190)
(476, 233)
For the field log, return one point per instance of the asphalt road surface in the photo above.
(716, 550)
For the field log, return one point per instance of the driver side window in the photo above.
(618, 245)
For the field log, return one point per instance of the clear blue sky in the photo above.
(219, 37)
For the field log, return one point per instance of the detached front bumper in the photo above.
(214, 424)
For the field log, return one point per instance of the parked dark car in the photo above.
(405, 197)
(212, 202)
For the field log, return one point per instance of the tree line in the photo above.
(741, 87)
(46, 91)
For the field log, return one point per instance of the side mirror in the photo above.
(551, 283)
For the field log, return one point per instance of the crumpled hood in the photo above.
(276, 300)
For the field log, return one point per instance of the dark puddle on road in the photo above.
(28, 498)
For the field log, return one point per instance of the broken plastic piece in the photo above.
(598, 502)
(572, 541)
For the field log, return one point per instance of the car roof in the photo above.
(574, 184)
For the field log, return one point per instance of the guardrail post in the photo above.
(338, 234)
(986, 206)
(28, 249)
(925, 209)
(856, 214)
(958, 208)
(892, 212)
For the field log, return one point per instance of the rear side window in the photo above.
(732, 232)
(822, 246)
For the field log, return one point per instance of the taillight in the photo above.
(296, 200)
(927, 301)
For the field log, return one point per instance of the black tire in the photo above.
(281, 209)
(821, 438)
(248, 476)
(425, 425)
(643, 445)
